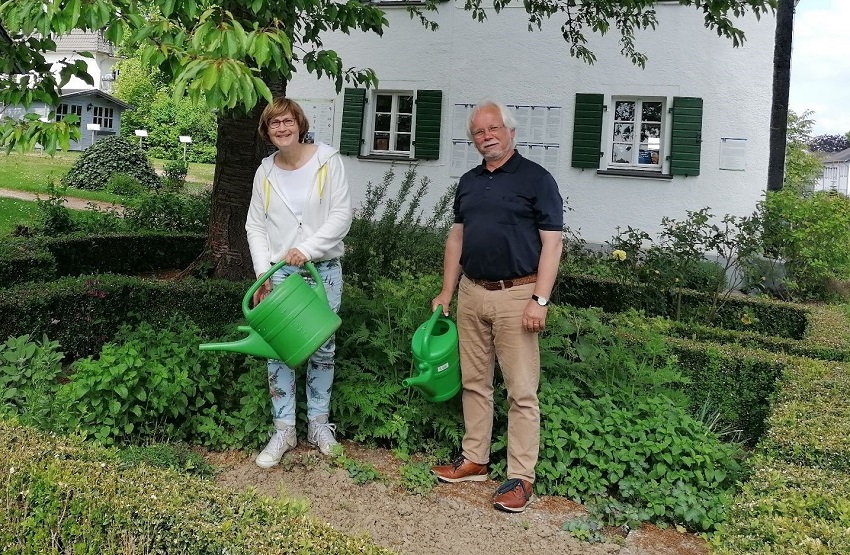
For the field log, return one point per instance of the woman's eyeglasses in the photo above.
(478, 133)
(275, 123)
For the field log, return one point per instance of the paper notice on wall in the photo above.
(733, 154)
(320, 114)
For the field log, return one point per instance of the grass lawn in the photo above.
(15, 212)
(33, 172)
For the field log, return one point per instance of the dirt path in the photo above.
(454, 519)
(72, 203)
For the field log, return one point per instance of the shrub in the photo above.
(175, 174)
(400, 241)
(109, 156)
(124, 185)
(169, 211)
(53, 217)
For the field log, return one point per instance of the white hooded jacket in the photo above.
(273, 228)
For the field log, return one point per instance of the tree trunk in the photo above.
(239, 150)
(781, 86)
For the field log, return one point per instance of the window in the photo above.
(103, 117)
(636, 134)
(64, 109)
(392, 127)
(644, 135)
(391, 124)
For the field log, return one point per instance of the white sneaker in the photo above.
(322, 434)
(282, 441)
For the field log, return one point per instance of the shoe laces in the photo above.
(511, 485)
(458, 461)
(277, 441)
(325, 432)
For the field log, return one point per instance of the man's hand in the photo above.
(534, 317)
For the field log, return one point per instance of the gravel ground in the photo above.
(453, 519)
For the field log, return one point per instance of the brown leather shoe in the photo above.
(513, 496)
(461, 470)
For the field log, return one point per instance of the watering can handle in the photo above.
(429, 326)
(320, 286)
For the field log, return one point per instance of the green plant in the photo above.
(360, 472)
(400, 241)
(416, 477)
(109, 156)
(177, 457)
(28, 378)
(124, 185)
(812, 235)
(169, 211)
(146, 385)
(584, 528)
(175, 174)
(54, 218)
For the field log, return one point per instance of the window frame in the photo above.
(608, 139)
(76, 109)
(372, 107)
(102, 114)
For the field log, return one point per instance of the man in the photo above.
(506, 242)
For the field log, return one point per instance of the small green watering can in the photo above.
(436, 357)
(290, 324)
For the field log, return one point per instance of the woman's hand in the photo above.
(295, 257)
(262, 292)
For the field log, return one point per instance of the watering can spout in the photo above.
(423, 378)
(253, 344)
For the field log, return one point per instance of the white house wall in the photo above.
(498, 58)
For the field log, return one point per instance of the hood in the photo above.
(325, 153)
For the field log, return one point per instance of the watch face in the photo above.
(542, 301)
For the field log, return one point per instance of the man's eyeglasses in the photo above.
(275, 123)
(479, 133)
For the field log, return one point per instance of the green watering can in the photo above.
(436, 357)
(290, 324)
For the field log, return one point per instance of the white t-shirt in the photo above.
(295, 184)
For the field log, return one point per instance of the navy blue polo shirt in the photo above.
(502, 213)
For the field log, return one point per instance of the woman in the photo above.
(300, 211)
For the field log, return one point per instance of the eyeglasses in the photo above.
(479, 133)
(275, 123)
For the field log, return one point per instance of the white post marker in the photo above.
(93, 127)
(141, 134)
(185, 139)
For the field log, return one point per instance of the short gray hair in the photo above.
(507, 117)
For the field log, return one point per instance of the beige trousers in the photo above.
(490, 329)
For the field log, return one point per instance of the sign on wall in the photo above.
(538, 135)
(320, 114)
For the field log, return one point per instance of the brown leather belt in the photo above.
(504, 283)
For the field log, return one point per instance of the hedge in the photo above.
(763, 316)
(83, 312)
(65, 496)
(44, 259)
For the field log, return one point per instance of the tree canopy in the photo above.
(225, 54)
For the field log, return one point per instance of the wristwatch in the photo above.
(542, 301)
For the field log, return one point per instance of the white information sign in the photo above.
(320, 114)
(733, 154)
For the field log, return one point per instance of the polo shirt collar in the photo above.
(510, 166)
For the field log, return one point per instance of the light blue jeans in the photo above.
(320, 366)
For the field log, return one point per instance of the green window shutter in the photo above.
(686, 136)
(351, 135)
(587, 131)
(429, 110)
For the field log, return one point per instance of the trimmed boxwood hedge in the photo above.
(83, 312)
(765, 316)
(45, 259)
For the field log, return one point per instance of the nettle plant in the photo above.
(616, 434)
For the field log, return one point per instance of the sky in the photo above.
(820, 64)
